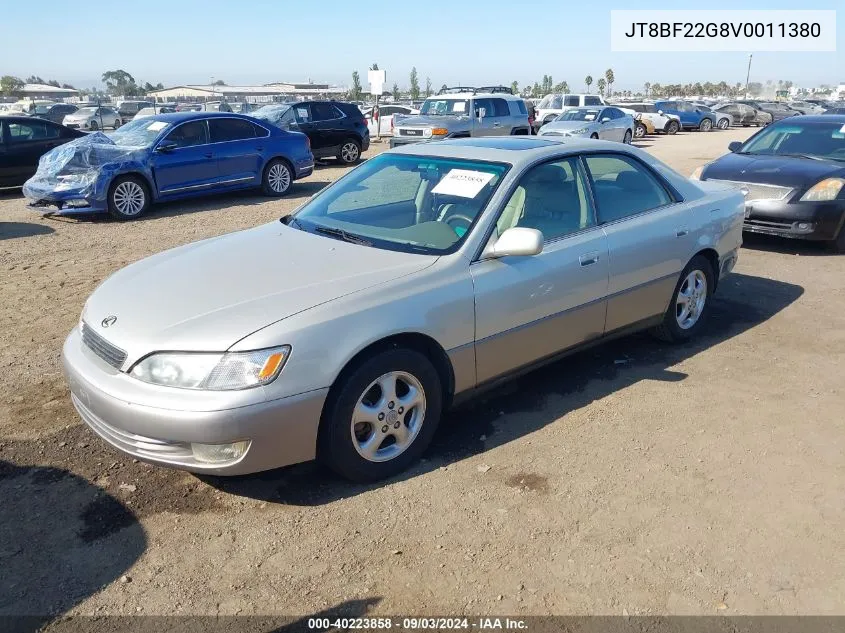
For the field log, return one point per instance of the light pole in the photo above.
(748, 74)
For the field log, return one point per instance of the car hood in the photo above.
(567, 126)
(785, 171)
(75, 116)
(208, 295)
(420, 120)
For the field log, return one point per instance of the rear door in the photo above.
(649, 236)
(191, 165)
(332, 124)
(237, 150)
(25, 143)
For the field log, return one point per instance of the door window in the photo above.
(324, 112)
(592, 100)
(30, 132)
(487, 104)
(500, 107)
(571, 100)
(622, 187)
(189, 134)
(551, 198)
(223, 130)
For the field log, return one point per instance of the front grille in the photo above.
(114, 356)
(73, 126)
(411, 132)
(757, 191)
(766, 224)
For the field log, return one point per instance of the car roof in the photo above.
(515, 150)
(178, 117)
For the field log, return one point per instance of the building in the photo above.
(40, 92)
(253, 94)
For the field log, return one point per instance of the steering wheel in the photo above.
(463, 218)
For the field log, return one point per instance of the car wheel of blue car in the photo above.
(277, 178)
(129, 198)
(706, 125)
(672, 127)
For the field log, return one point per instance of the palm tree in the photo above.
(601, 83)
(608, 75)
(588, 80)
(646, 85)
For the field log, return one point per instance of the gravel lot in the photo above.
(632, 478)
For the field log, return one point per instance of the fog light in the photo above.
(77, 204)
(218, 453)
(805, 226)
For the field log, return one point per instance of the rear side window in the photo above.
(623, 187)
(29, 132)
(591, 100)
(259, 131)
(571, 100)
(324, 112)
(520, 105)
(223, 130)
(500, 107)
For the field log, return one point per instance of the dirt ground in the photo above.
(636, 478)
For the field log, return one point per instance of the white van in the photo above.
(553, 105)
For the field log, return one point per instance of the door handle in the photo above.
(588, 258)
(260, 148)
(681, 232)
(209, 155)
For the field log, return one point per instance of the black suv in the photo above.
(335, 129)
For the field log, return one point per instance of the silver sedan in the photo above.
(606, 123)
(427, 274)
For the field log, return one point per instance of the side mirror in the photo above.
(517, 242)
(166, 146)
(660, 112)
(482, 112)
(605, 119)
(735, 146)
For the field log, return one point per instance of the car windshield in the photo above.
(138, 133)
(551, 102)
(433, 107)
(406, 203)
(579, 115)
(42, 109)
(815, 140)
(86, 111)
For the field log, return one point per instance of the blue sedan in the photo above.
(166, 157)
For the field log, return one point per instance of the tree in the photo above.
(428, 87)
(10, 86)
(119, 82)
(562, 87)
(646, 85)
(609, 78)
(515, 87)
(54, 83)
(355, 92)
(415, 84)
(374, 67)
(601, 83)
(396, 92)
(34, 79)
(219, 82)
(443, 88)
(68, 86)
(588, 80)
(656, 90)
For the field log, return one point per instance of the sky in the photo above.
(453, 42)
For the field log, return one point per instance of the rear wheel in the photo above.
(640, 130)
(94, 127)
(690, 302)
(724, 124)
(381, 415)
(672, 127)
(349, 152)
(594, 135)
(117, 123)
(129, 198)
(706, 125)
(277, 178)
(627, 139)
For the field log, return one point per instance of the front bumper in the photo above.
(800, 220)
(280, 432)
(396, 141)
(64, 202)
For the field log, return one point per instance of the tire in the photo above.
(672, 127)
(640, 130)
(343, 441)
(627, 139)
(94, 127)
(723, 124)
(594, 135)
(838, 245)
(128, 198)
(706, 125)
(277, 178)
(350, 152)
(697, 280)
(117, 124)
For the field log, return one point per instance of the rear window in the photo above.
(520, 105)
(223, 130)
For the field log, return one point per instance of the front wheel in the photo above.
(594, 135)
(117, 123)
(129, 198)
(672, 127)
(690, 302)
(93, 126)
(627, 139)
(277, 178)
(724, 124)
(640, 130)
(381, 416)
(838, 245)
(706, 125)
(350, 152)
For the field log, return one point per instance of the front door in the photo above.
(25, 143)
(649, 239)
(190, 165)
(528, 308)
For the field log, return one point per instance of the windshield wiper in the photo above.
(346, 237)
(809, 156)
(290, 220)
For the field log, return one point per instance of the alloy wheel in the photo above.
(691, 299)
(388, 416)
(129, 198)
(723, 124)
(349, 152)
(706, 125)
(279, 178)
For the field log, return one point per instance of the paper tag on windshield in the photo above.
(842, 130)
(302, 112)
(589, 117)
(462, 182)
(460, 106)
(155, 126)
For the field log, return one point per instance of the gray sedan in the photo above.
(427, 274)
(607, 123)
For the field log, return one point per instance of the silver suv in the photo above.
(462, 113)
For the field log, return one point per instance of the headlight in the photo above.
(214, 372)
(696, 175)
(427, 132)
(827, 189)
(582, 130)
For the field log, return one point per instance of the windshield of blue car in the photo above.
(435, 107)
(579, 115)
(814, 139)
(405, 203)
(138, 132)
